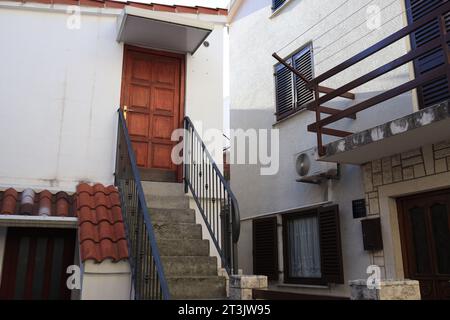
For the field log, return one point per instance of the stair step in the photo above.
(167, 202)
(189, 266)
(172, 215)
(163, 188)
(197, 287)
(169, 230)
(185, 247)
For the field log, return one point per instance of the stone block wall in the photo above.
(425, 161)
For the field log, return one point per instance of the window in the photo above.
(312, 249)
(277, 3)
(291, 91)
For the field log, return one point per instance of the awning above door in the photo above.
(160, 30)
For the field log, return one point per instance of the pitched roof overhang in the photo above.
(162, 30)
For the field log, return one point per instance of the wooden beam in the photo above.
(423, 79)
(327, 110)
(332, 132)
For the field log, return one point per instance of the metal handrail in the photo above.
(147, 269)
(213, 196)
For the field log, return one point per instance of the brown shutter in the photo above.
(265, 248)
(284, 92)
(330, 245)
(437, 90)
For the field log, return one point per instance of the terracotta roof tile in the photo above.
(32, 203)
(100, 223)
(148, 6)
(102, 232)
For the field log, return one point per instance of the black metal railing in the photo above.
(147, 270)
(213, 196)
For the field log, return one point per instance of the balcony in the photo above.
(427, 126)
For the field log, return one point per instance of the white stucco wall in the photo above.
(254, 36)
(60, 89)
(59, 92)
(106, 281)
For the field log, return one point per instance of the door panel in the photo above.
(425, 232)
(151, 90)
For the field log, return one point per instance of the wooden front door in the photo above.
(425, 234)
(152, 96)
(35, 263)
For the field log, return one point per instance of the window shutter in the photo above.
(303, 63)
(277, 3)
(330, 245)
(284, 92)
(265, 248)
(436, 91)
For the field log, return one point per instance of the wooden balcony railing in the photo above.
(334, 115)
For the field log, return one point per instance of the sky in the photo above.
(203, 3)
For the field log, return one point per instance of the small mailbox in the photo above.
(372, 238)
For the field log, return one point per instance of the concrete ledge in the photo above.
(38, 221)
(427, 126)
(388, 290)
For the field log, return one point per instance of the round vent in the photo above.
(302, 164)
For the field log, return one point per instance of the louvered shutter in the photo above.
(330, 245)
(265, 251)
(277, 3)
(436, 91)
(284, 91)
(303, 63)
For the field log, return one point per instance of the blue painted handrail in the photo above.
(147, 269)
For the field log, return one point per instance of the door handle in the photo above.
(125, 109)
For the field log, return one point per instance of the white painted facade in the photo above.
(337, 30)
(59, 94)
(60, 90)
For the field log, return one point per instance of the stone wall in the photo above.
(387, 290)
(407, 166)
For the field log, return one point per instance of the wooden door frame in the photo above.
(402, 225)
(182, 59)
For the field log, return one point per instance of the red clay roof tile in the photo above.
(100, 223)
(147, 6)
(102, 232)
(31, 203)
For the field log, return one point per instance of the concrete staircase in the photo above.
(190, 270)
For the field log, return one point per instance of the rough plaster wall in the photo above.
(59, 92)
(253, 38)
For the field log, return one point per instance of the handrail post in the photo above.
(186, 139)
(320, 148)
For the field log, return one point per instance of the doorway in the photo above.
(153, 102)
(35, 263)
(424, 221)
